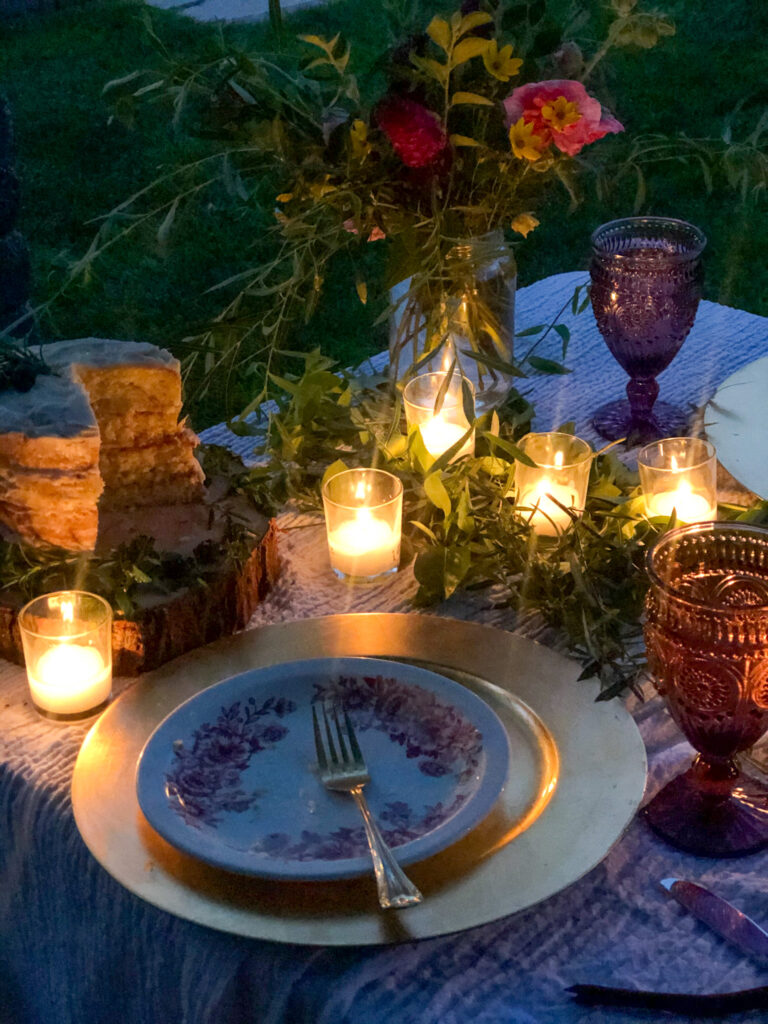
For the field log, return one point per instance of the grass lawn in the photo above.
(75, 166)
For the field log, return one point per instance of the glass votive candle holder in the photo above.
(557, 482)
(442, 429)
(67, 641)
(363, 522)
(679, 474)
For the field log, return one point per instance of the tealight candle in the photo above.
(557, 483)
(440, 429)
(67, 640)
(363, 516)
(679, 474)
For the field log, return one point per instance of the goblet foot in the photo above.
(707, 824)
(614, 420)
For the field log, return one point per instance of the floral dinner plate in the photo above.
(230, 776)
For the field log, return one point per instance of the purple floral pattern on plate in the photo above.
(397, 822)
(204, 781)
(416, 719)
(223, 779)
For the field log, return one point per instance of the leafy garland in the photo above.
(461, 521)
(131, 571)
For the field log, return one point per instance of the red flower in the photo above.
(415, 132)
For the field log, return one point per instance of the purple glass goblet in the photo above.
(646, 285)
(706, 636)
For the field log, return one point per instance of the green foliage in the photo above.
(425, 162)
(461, 521)
(20, 365)
(135, 569)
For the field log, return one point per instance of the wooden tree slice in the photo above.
(165, 626)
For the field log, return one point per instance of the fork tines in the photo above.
(344, 756)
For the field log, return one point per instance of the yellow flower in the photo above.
(284, 197)
(499, 62)
(319, 189)
(526, 144)
(561, 113)
(358, 138)
(524, 223)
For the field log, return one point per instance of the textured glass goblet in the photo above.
(646, 285)
(706, 636)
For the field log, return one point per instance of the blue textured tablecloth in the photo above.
(75, 947)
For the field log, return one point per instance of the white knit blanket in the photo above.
(76, 947)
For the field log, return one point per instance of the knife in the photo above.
(721, 916)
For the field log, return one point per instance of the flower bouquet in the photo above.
(447, 163)
(442, 154)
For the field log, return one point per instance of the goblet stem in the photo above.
(642, 392)
(711, 810)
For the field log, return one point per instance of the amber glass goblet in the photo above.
(706, 635)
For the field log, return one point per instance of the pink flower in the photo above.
(561, 112)
(415, 132)
(376, 233)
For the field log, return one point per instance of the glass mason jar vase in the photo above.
(469, 306)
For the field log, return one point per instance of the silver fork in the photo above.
(342, 768)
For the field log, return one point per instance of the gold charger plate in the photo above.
(577, 774)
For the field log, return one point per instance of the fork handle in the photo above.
(395, 888)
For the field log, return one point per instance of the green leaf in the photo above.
(440, 570)
(466, 50)
(565, 336)
(437, 494)
(529, 331)
(449, 453)
(320, 42)
(463, 140)
(117, 83)
(439, 31)
(442, 391)
(547, 365)
(494, 363)
(433, 68)
(508, 448)
(470, 99)
(164, 230)
(362, 291)
(333, 470)
(468, 400)
(472, 21)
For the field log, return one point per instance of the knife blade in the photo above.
(721, 916)
(695, 1007)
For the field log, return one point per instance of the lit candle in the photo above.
(70, 679)
(363, 520)
(439, 435)
(364, 546)
(67, 638)
(548, 519)
(688, 506)
(554, 489)
(443, 429)
(679, 474)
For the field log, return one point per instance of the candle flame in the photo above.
(67, 611)
(674, 467)
(360, 492)
(558, 460)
